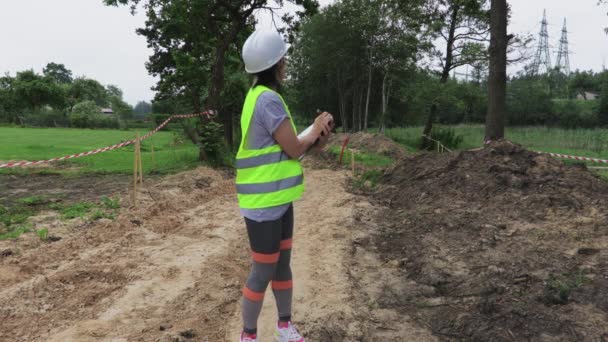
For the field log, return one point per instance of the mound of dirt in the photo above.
(496, 244)
(375, 143)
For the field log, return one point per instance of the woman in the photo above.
(269, 178)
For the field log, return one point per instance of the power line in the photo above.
(563, 54)
(542, 60)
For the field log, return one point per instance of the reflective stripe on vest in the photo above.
(270, 158)
(265, 177)
(263, 188)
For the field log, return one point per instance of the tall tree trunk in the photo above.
(217, 80)
(385, 96)
(445, 75)
(343, 114)
(497, 81)
(360, 111)
(342, 104)
(191, 132)
(369, 90)
(354, 128)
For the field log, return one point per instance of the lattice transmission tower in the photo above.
(563, 54)
(542, 60)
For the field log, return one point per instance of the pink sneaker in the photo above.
(287, 333)
(248, 338)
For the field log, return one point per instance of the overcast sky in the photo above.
(100, 42)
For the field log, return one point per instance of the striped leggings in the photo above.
(271, 253)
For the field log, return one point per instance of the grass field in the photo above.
(173, 154)
(580, 142)
(42, 143)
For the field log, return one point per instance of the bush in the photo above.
(212, 142)
(47, 118)
(447, 137)
(571, 114)
(99, 121)
(86, 108)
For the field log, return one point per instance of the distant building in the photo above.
(588, 96)
(107, 111)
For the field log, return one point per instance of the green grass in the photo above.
(362, 157)
(14, 233)
(45, 143)
(110, 203)
(76, 210)
(368, 178)
(43, 234)
(580, 142)
(558, 289)
(14, 215)
(33, 200)
(14, 218)
(100, 214)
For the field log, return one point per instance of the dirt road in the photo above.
(172, 270)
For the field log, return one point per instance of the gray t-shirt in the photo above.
(268, 115)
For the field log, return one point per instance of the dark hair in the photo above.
(268, 78)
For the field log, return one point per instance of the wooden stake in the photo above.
(135, 165)
(352, 161)
(141, 172)
(153, 159)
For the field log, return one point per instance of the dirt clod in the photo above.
(188, 333)
(164, 327)
(53, 238)
(6, 253)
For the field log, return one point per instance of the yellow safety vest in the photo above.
(265, 177)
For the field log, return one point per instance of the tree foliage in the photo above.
(58, 72)
(48, 99)
(346, 58)
(195, 42)
(463, 27)
(141, 109)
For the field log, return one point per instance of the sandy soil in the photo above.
(173, 269)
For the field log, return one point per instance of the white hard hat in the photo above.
(262, 50)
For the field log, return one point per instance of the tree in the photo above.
(142, 108)
(85, 89)
(118, 105)
(32, 91)
(463, 27)
(497, 82)
(58, 72)
(191, 42)
(529, 101)
(350, 71)
(603, 109)
(114, 91)
(582, 82)
(85, 114)
(86, 108)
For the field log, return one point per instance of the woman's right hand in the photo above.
(296, 147)
(323, 124)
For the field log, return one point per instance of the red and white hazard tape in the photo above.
(209, 114)
(565, 156)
